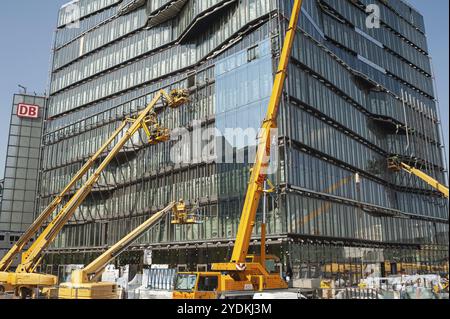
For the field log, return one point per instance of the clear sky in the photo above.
(26, 35)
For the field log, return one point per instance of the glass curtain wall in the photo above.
(354, 97)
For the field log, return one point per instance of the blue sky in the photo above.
(26, 35)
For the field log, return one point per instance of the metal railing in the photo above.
(357, 293)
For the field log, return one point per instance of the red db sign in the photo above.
(28, 111)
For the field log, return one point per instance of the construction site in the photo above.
(229, 149)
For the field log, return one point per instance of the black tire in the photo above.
(24, 293)
(2, 290)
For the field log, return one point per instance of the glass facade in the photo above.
(2, 182)
(354, 97)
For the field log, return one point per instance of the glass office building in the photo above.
(1, 188)
(356, 95)
(18, 189)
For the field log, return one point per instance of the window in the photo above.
(191, 80)
(185, 282)
(252, 54)
(13, 239)
(208, 283)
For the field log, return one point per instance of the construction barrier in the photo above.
(358, 293)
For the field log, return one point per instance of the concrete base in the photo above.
(142, 293)
(306, 283)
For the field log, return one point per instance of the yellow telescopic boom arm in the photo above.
(93, 271)
(259, 171)
(427, 179)
(32, 257)
(6, 261)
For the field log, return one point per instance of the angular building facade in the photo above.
(19, 189)
(356, 95)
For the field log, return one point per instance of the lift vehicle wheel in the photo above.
(23, 292)
(2, 290)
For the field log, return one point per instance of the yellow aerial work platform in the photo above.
(25, 281)
(243, 272)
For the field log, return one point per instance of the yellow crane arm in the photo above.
(93, 271)
(427, 179)
(6, 261)
(32, 257)
(259, 171)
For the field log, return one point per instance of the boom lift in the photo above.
(395, 164)
(84, 283)
(24, 281)
(247, 273)
(18, 247)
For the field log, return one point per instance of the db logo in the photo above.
(28, 111)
